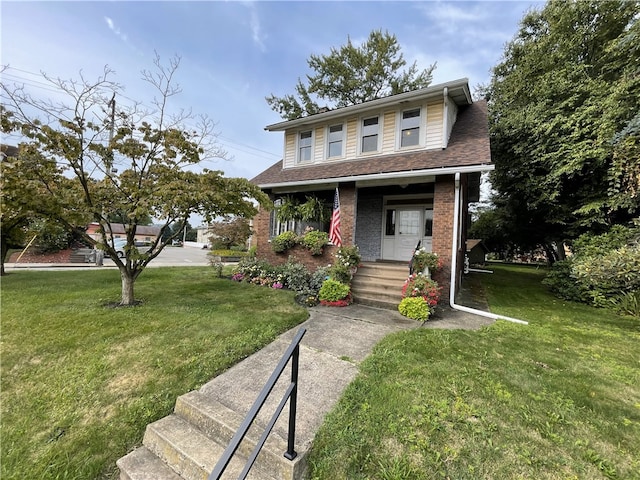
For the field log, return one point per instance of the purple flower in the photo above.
(277, 285)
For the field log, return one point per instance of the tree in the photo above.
(230, 232)
(133, 161)
(27, 186)
(563, 108)
(351, 75)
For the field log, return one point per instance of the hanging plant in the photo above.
(289, 209)
(314, 210)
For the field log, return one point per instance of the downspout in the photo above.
(454, 265)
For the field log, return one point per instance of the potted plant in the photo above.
(425, 262)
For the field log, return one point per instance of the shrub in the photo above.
(422, 260)
(628, 303)
(414, 307)
(333, 290)
(315, 241)
(561, 283)
(340, 273)
(603, 269)
(283, 242)
(348, 257)
(418, 285)
(296, 276)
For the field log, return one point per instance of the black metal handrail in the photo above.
(291, 394)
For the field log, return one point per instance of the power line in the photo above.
(230, 143)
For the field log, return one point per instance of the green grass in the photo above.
(557, 399)
(80, 381)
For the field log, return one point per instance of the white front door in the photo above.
(404, 228)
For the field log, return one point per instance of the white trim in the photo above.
(454, 265)
(461, 84)
(445, 119)
(298, 161)
(385, 176)
(327, 134)
(360, 134)
(422, 127)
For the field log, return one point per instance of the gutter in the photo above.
(454, 264)
(386, 176)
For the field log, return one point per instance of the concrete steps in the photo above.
(81, 255)
(379, 284)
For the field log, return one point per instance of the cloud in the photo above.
(115, 29)
(256, 30)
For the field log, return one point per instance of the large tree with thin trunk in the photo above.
(564, 119)
(133, 161)
(352, 74)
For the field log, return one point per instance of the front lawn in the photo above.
(80, 381)
(557, 399)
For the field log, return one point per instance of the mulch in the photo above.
(31, 256)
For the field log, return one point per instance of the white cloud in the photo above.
(256, 29)
(115, 29)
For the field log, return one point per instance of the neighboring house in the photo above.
(402, 165)
(476, 252)
(144, 233)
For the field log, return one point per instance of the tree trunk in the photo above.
(128, 280)
(4, 246)
(550, 252)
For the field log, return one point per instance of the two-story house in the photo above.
(404, 166)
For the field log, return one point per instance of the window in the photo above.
(335, 139)
(370, 135)
(410, 128)
(304, 146)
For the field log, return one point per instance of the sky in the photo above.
(233, 54)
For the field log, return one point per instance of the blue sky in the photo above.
(233, 54)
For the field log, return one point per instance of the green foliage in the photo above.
(50, 236)
(228, 253)
(123, 161)
(332, 291)
(314, 210)
(230, 232)
(603, 268)
(422, 260)
(628, 303)
(284, 241)
(351, 75)
(315, 241)
(348, 256)
(415, 308)
(297, 277)
(564, 103)
(340, 273)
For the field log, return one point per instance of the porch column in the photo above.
(443, 206)
(348, 199)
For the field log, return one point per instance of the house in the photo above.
(144, 233)
(402, 164)
(476, 252)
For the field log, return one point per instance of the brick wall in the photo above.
(443, 205)
(261, 226)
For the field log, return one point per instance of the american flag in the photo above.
(334, 229)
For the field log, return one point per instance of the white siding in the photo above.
(318, 150)
(290, 150)
(435, 116)
(452, 115)
(389, 132)
(352, 138)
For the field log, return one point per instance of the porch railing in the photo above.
(291, 395)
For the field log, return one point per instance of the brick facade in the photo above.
(443, 206)
(262, 224)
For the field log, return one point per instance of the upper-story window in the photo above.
(370, 134)
(335, 140)
(305, 144)
(410, 128)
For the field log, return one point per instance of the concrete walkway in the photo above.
(337, 340)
